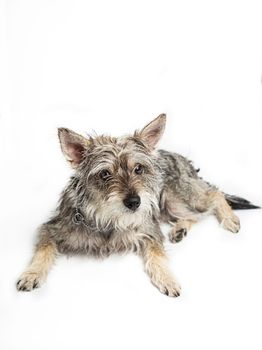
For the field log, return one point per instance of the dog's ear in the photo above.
(73, 146)
(153, 131)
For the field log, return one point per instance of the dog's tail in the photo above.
(239, 203)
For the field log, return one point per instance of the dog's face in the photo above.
(118, 177)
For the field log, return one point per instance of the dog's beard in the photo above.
(112, 213)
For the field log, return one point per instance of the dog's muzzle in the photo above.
(132, 202)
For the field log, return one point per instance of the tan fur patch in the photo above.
(39, 267)
(155, 261)
(224, 213)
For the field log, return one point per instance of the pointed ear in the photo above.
(153, 131)
(73, 146)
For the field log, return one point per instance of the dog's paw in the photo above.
(231, 223)
(28, 281)
(168, 287)
(176, 236)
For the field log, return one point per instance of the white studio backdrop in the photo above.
(112, 66)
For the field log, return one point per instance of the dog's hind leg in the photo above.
(39, 266)
(192, 199)
(225, 215)
(180, 229)
(216, 202)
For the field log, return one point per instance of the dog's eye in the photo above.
(139, 169)
(104, 174)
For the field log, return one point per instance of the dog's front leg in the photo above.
(155, 262)
(37, 271)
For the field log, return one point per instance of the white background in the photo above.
(112, 66)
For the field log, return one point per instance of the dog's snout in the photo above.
(132, 202)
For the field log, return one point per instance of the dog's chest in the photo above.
(101, 243)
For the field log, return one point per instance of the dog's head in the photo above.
(117, 178)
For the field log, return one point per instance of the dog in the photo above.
(121, 191)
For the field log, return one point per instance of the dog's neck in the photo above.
(79, 219)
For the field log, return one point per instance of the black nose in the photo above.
(132, 202)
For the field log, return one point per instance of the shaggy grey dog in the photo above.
(121, 190)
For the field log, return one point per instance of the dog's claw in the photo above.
(169, 287)
(231, 224)
(28, 282)
(178, 235)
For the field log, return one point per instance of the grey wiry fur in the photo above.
(121, 190)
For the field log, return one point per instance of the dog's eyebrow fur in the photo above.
(124, 154)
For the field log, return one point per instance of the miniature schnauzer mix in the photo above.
(121, 190)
